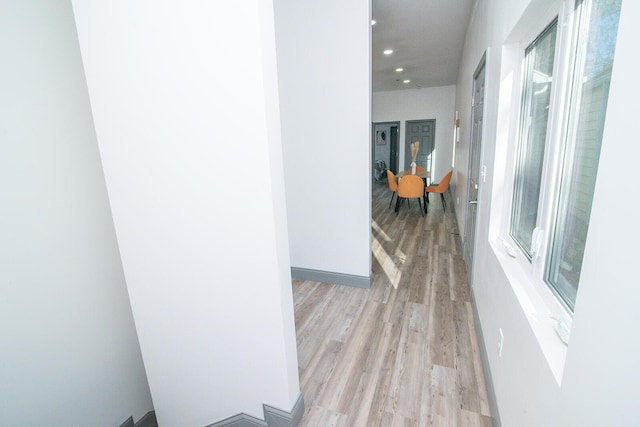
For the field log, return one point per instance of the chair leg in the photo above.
(393, 193)
(421, 208)
(444, 204)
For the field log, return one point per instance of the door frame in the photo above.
(475, 146)
(373, 143)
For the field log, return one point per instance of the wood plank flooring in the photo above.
(405, 352)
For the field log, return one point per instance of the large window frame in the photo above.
(535, 259)
(582, 138)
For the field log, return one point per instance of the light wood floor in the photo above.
(405, 352)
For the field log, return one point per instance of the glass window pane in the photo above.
(592, 75)
(539, 58)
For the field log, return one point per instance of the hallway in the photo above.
(405, 352)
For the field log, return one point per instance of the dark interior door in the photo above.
(423, 131)
(393, 149)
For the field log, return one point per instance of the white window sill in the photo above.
(537, 311)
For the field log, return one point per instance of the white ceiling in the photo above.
(426, 36)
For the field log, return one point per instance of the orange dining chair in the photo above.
(410, 187)
(393, 185)
(440, 188)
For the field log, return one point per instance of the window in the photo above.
(539, 57)
(560, 132)
(588, 103)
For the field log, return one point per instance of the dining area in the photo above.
(406, 186)
(414, 183)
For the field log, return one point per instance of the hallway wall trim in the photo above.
(273, 417)
(331, 277)
(491, 394)
(147, 420)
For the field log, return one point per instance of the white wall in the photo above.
(599, 383)
(69, 354)
(421, 104)
(323, 70)
(185, 102)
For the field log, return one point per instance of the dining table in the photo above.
(422, 174)
(425, 175)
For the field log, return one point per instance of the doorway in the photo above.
(385, 144)
(423, 131)
(475, 178)
(393, 148)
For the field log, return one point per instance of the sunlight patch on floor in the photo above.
(380, 231)
(387, 262)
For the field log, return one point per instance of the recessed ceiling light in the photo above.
(399, 70)
(388, 52)
(373, 22)
(406, 81)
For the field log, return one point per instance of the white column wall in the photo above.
(599, 384)
(421, 104)
(323, 70)
(69, 353)
(184, 95)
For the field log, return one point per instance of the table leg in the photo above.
(425, 196)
